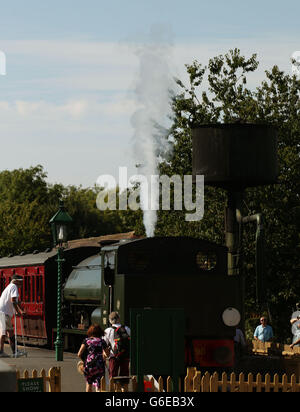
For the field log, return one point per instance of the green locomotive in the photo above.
(166, 272)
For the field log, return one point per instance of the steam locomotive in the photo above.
(202, 278)
(166, 272)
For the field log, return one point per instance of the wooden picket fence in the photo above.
(51, 382)
(196, 382)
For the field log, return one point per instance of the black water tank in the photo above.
(235, 156)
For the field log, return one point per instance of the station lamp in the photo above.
(59, 225)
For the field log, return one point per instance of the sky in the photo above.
(69, 94)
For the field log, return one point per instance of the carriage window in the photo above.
(33, 288)
(27, 297)
(206, 260)
(109, 269)
(2, 282)
(21, 290)
(109, 259)
(39, 289)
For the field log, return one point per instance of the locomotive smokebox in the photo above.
(235, 156)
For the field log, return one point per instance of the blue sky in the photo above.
(103, 20)
(68, 97)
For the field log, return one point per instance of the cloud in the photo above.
(75, 141)
(68, 104)
(74, 52)
(77, 109)
(42, 109)
(71, 66)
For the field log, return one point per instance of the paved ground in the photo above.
(39, 359)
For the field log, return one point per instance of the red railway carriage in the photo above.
(38, 293)
(32, 293)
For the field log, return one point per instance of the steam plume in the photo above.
(150, 121)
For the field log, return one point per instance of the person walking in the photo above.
(295, 322)
(263, 332)
(296, 343)
(10, 306)
(239, 343)
(118, 337)
(91, 353)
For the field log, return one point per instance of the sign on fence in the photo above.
(31, 385)
(39, 382)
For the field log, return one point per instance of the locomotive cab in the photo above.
(177, 272)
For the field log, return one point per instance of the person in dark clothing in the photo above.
(91, 352)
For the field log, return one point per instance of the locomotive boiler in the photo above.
(82, 300)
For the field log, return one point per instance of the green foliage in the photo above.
(27, 202)
(227, 100)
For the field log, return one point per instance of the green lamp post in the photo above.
(59, 224)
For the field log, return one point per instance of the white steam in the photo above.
(151, 121)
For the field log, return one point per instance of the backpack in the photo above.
(122, 343)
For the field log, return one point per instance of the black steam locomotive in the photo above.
(168, 272)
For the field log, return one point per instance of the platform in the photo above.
(39, 358)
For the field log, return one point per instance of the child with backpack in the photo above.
(117, 338)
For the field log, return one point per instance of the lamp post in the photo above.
(59, 224)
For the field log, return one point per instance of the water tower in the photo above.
(235, 157)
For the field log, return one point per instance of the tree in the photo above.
(226, 100)
(27, 202)
(23, 210)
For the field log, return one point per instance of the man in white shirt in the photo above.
(8, 307)
(118, 365)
